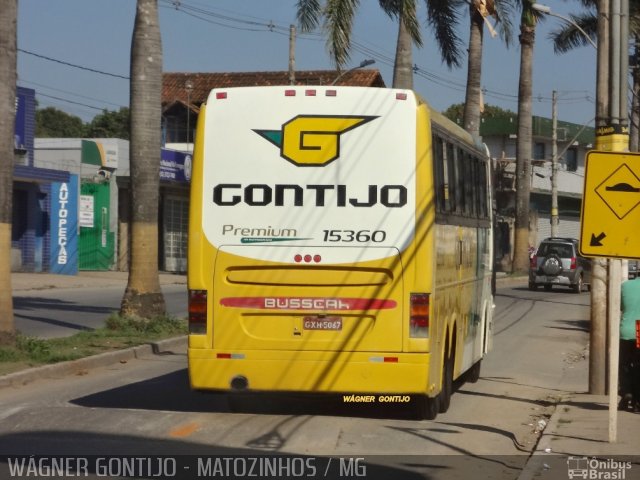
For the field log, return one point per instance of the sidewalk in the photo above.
(44, 281)
(578, 432)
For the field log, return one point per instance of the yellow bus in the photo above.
(340, 242)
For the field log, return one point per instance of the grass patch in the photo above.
(118, 333)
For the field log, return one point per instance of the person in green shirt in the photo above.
(629, 378)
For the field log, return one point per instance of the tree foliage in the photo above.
(455, 112)
(54, 123)
(337, 16)
(110, 124)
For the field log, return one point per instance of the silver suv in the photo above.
(558, 262)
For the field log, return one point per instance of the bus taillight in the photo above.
(197, 311)
(419, 317)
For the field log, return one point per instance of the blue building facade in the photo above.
(31, 236)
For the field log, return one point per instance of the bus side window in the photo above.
(482, 182)
(471, 180)
(440, 172)
(461, 180)
(451, 178)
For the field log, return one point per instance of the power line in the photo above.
(62, 62)
(70, 101)
(69, 93)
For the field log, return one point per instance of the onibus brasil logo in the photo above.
(313, 140)
(597, 469)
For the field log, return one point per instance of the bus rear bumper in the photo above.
(320, 372)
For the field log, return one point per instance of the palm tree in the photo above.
(143, 296)
(338, 20)
(8, 66)
(478, 11)
(528, 21)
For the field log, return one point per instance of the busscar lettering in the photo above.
(288, 195)
(306, 303)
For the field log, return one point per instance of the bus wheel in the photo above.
(428, 407)
(473, 374)
(447, 385)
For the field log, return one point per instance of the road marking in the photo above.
(184, 430)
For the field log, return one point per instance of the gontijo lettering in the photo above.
(260, 195)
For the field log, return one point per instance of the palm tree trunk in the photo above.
(8, 66)
(143, 296)
(523, 150)
(473, 95)
(403, 66)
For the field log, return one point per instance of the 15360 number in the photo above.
(361, 236)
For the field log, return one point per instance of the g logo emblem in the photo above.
(312, 140)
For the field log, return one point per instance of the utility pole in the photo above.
(292, 54)
(554, 164)
(598, 336)
(612, 135)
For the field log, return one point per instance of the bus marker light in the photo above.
(331, 93)
(307, 258)
(401, 96)
(383, 359)
(289, 93)
(221, 95)
(230, 356)
(310, 93)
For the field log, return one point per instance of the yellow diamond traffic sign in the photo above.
(610, 217)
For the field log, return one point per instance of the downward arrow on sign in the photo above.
(596, 241)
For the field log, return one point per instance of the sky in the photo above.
(253, 35)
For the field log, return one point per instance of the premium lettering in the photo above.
(288, 195)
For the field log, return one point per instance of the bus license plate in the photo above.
(322, 323)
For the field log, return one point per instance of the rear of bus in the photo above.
(308, 268)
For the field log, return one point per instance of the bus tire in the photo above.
(429, 407)
(447, 385)
(473, 374)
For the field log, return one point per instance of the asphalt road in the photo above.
(145, 407)
(61, 312)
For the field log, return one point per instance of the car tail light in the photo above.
(534, 261)
(419, 317)
(197, 312)
(574, 263)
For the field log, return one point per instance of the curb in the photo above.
(511, 280)
(81, 365)
(536, 462)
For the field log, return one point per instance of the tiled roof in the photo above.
(173, 83)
